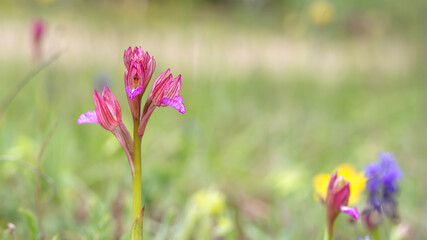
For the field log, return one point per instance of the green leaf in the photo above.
(136, 232)
(31, 221)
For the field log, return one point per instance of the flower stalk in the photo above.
(136, 179)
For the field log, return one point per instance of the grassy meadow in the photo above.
(272, 97)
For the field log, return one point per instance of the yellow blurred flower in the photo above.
(209, 202)
(321, 12)
(357, 182)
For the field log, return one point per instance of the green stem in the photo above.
(136, 180)
(375, 234)
(327, 235)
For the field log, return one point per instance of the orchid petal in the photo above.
(176, 103)
(350, 211)
(89, 117)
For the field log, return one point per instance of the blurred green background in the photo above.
(276, 91)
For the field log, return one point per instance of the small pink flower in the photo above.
(139, 70)
(38, 28)
(109, 115)
(107, 111)
(165, 92)
(337, 200)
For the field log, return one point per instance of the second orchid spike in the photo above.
(337, 200)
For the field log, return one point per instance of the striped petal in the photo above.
(89, 117)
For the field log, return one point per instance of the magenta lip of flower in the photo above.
(350, 211)
(140, 67)
(107, 111)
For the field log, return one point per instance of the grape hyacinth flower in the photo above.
(337, 197)
(382, 184)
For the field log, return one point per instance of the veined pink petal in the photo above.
(159, 86)
(112, 104)
(148, 73)
(160, 80)
(173, 89)
(332, 182)
(107, 109)
(176, 103)
(127, 57)
(89, 117)
(350, 211)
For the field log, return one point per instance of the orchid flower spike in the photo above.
(109, 115)
(337, 200)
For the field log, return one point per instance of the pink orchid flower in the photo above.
(165, 92)
(337, 199)
(109, 115)
(139, 70)
(107, 111)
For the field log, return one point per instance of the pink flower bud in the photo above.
(337, 199)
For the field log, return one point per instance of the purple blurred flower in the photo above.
(381, 185)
